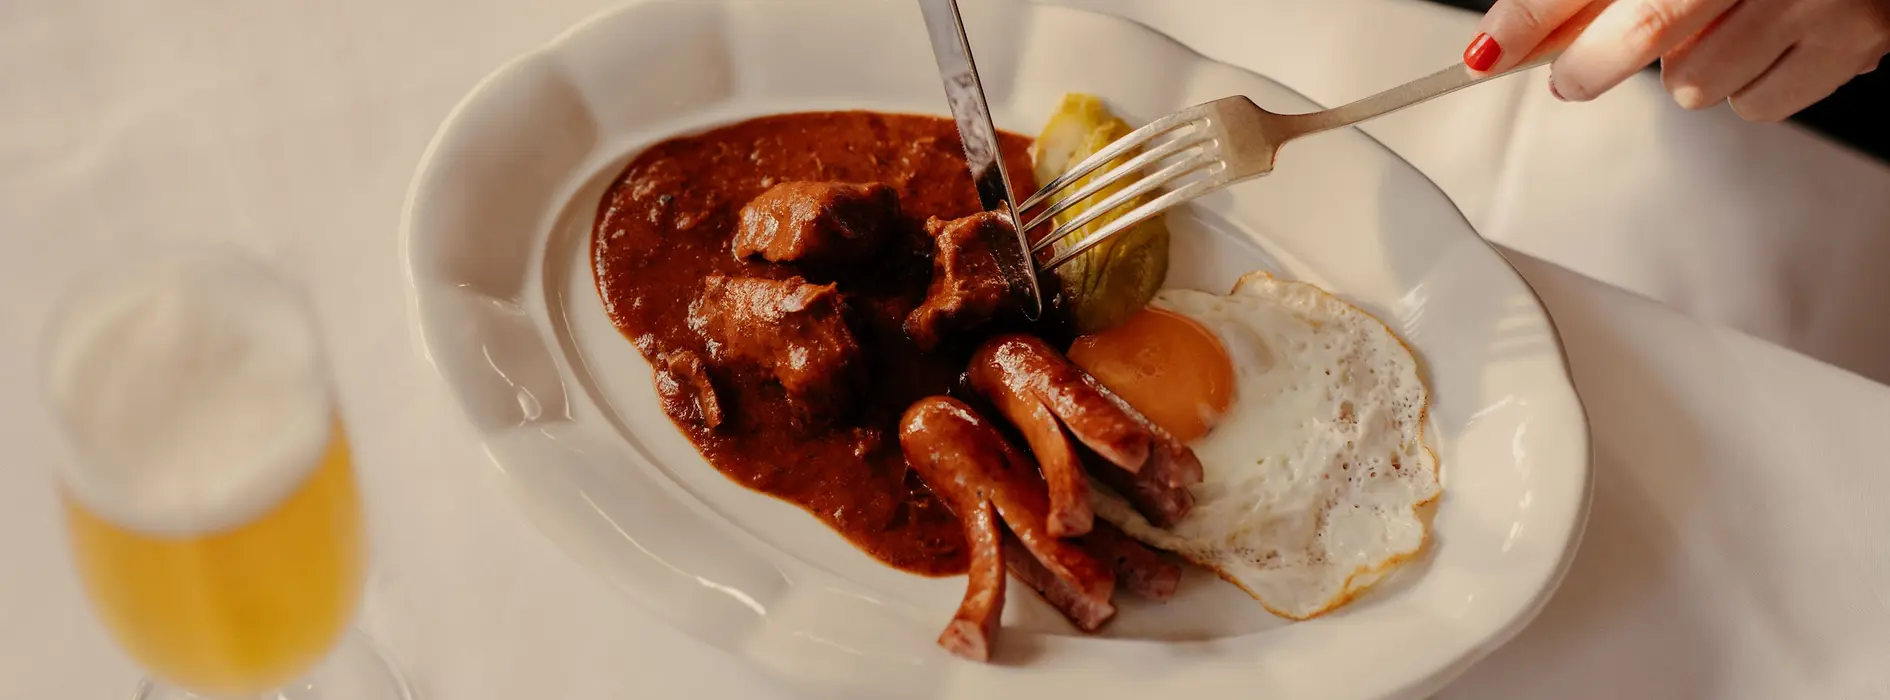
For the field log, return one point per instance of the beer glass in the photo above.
(208, 492)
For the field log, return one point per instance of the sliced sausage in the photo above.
(1087, 613)
(1161, 504)
(1070, 513)
(1029, 367)
(1150, 467)
(972, 631)
(964, 460)
(1138, 569)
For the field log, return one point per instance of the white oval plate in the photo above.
(497, 229)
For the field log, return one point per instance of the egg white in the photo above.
(1315, 477)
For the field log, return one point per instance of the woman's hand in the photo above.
(1771, 58)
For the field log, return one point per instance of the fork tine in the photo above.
(1115, 175)
(1115, 201)
(1114, 150)
(1136, 216)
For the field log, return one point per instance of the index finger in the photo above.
(1512, 30)
(1626, 37)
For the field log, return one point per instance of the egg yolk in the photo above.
(1166, 365)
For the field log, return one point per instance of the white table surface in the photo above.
(1736, 547)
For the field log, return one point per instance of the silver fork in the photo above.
(1211, 146)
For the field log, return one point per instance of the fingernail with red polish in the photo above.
(1555, 92)
(1482, 53)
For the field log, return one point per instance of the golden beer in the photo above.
(237, 611)
(209, 492)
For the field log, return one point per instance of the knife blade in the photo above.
(965, 93)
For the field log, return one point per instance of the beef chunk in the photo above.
(816, 223)
(968, 282)
(682, 382)
(795, 330)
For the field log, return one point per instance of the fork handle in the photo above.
(1443, 82)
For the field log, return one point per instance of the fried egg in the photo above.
(1308, 416)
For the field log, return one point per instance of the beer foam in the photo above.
(193, 392)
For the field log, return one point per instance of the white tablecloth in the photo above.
(1765, 228)
(1736, 546)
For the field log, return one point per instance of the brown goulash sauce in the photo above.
(667, 222)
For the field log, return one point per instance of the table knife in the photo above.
(965, 93)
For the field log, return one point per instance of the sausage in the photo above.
(972, 631)
(1150, 467)
(1029, 367)
(1088, 614)
(1162, 504)
(1138, 569)
(1097, 417)
(1070, 513)
(1172, 461)
(964, 460)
